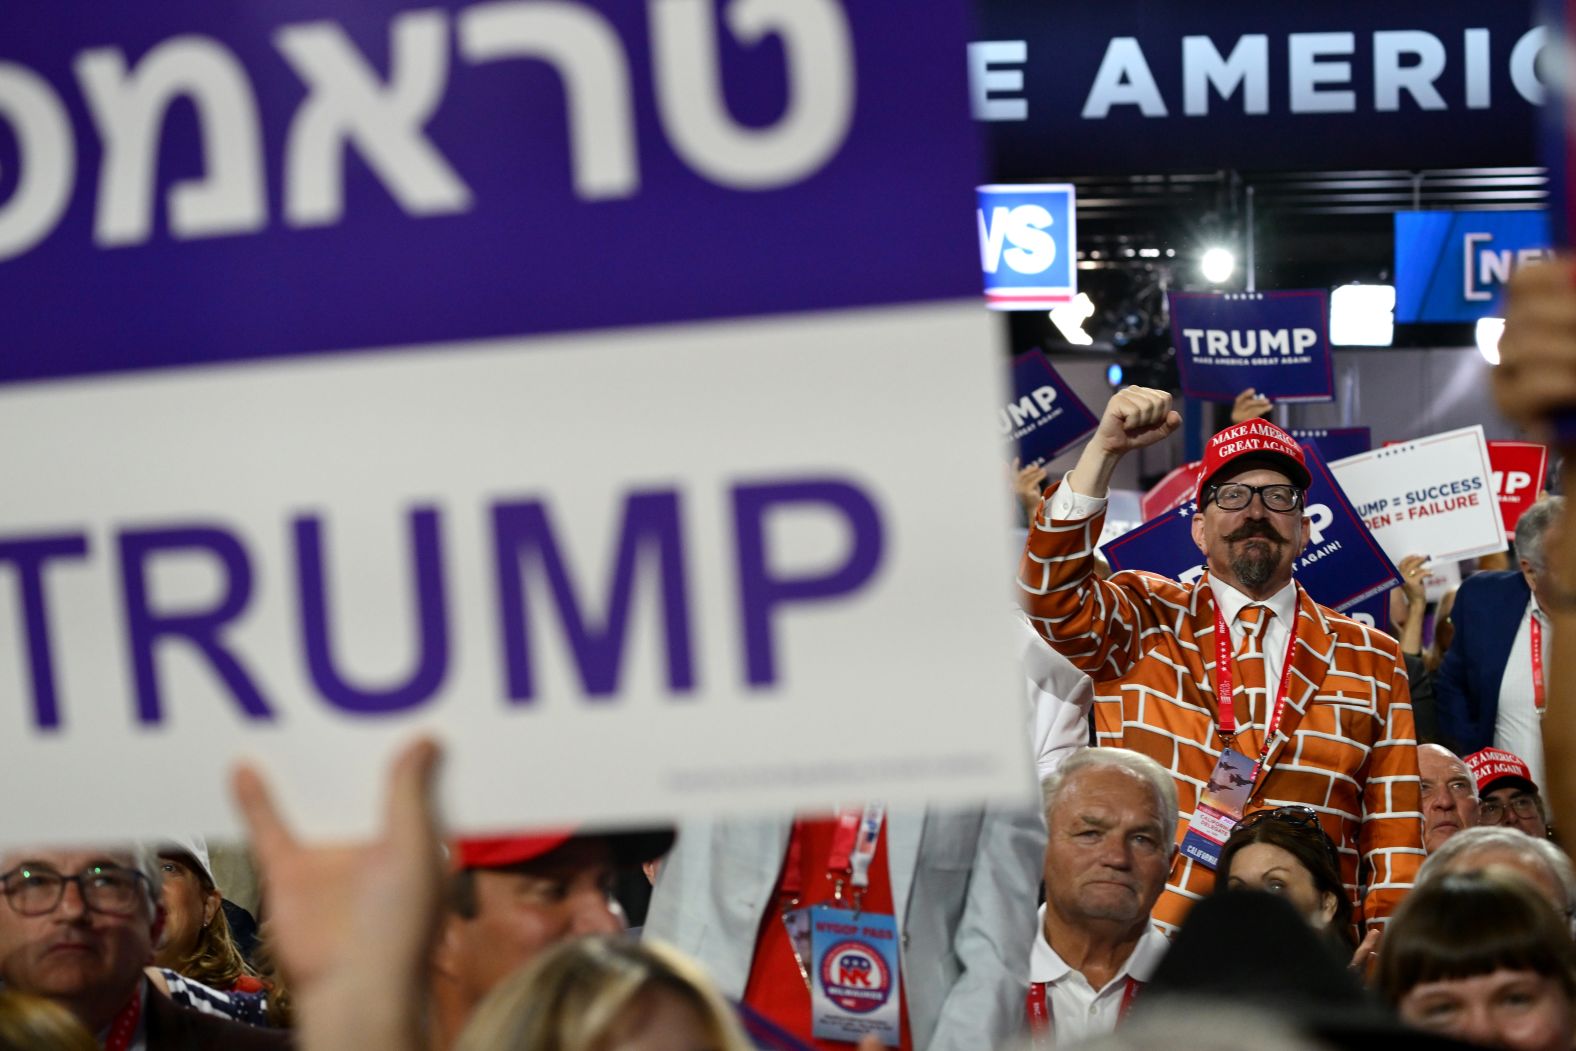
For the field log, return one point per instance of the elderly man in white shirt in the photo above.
(1112, 821)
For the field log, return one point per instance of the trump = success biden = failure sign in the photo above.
(1044, 417)
(405, 371)
(1433, 496)
(1340, 566)
(1275, 342)
(1028, 245)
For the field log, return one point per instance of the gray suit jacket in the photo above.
(965, 885)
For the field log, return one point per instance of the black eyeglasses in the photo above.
(1296, 816)
(109, 889)
(1490, 811)
(1234, 496)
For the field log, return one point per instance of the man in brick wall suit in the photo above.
(1315, 707)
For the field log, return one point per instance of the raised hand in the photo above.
(1536, 375)
(352, 926)
(1026, 483)
(1250, 405)
(1134, 418)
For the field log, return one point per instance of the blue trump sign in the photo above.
(1278, 343)
(1335, 443)
(1044, 418)
(1340, 567)
(1452, 266)
(1028, 245)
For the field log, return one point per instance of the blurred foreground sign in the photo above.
(502, 371)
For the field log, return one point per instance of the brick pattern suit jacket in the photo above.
(1345, 745)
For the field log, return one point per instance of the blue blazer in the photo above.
(1487, 614)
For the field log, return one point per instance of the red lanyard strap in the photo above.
(1537, 664)
(1037, 1009)
(123, 1029)
(855, 837)
(1224, 685)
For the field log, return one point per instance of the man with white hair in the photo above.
(1111, 815)
(1538, 860)
(77, 927)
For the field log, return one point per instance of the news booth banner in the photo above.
(1340, 566)
(1518, 472)
(1028, 237)
(1044, 418)
(1278, 343)
(1432, 496)
(500, 372)
(1335, 443)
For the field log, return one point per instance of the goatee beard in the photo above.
(1255, 565)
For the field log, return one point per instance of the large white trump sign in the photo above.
(439, 402)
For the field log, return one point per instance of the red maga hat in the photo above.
(1253, 440)
(497, 852)
(1494, 768)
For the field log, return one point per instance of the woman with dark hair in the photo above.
(1285, 851)
(1482, 957)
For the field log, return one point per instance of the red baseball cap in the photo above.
(497, 852)
(1495, 768)
(1254, 440)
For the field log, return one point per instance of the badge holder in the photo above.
(849, 957)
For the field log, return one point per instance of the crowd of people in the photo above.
(1249, 803)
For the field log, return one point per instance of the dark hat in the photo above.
(632, 847)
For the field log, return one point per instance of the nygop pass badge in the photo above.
(854, 961)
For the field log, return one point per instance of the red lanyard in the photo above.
(854, 841)
(1537, 664)
(124, 1027)
(1039, 1012)
(1223, 683)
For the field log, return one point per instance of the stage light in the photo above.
(1362, 316)
(1113, 375)
(1069, 318)
(1217, 265)
(1489, 329)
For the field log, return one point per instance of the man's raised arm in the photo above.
(1092, 623)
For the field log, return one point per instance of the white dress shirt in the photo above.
(1077, 1009)
(1518, 727)
(1067, 505)
(1059, 697)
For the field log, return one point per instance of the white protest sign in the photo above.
(1432, 496)
(390, 563)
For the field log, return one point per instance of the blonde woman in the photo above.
(31, 1023)
(605, 994)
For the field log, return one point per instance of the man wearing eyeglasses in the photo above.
(1509, 795)
(1250, 693)
(78, 926)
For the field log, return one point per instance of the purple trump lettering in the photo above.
(523, 536)
(201, 627)
(432, 664)
(28, 555)
(760, 591)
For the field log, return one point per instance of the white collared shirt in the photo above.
(1078, 1010)
(1518, 728)
(1067, 505)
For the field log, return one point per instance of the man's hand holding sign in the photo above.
(1230, 670)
